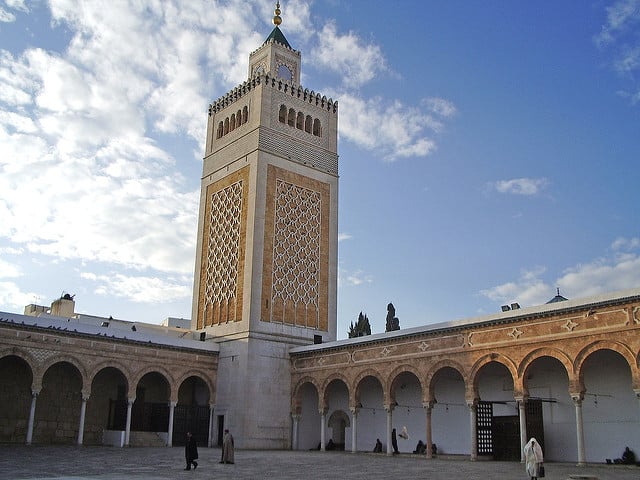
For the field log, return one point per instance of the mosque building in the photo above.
(260, 356)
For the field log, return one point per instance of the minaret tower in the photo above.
(266, 261)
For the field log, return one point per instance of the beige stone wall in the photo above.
(291, 310)
(569, 336)
(226, 305)
(62, 366)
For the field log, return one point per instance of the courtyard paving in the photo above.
(109, 463)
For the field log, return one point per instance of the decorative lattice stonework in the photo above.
(295, 269)
(222, 262)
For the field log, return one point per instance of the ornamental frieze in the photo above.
(319, 361)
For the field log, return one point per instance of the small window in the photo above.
(291, 119)
(308, 124)
(238, 118)
(226, 126)
(282, 116)
(300, 121)
(245, 115)
(220, 130)
(232, 123)
(317, 130)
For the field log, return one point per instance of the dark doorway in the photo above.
(535, 425)
(220, 429)
(191, 418)
(506, 438)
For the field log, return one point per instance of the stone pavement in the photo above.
(110, 463)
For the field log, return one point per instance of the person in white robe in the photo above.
(533, 458)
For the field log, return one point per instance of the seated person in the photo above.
(331, 445)
(378, 447)
(628, 457)
(420, 448)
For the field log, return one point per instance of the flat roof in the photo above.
(73, 326)
(495, 318)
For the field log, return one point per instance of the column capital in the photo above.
(577, 397)
(296, 416)
(472, 403)
(323, 410)
(389, 407)
(35, 392)
(354, 410)
(85, 396)
(429, 405)
(637, 392)
(173, 404)
(131, 400)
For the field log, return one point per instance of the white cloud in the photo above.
(354, 60)
(620, 17)
(9, 270)
(353, 279)
(620, 38)
(140, 289)
(622, 243)
(344, 236)
(529, 289)
(392, 129)
(6, 17)
(10, 294)
(521, 186)
(619, 271)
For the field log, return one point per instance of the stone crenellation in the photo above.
(313, 98)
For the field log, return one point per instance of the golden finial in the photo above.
(277, 19)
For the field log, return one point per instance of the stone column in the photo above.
(127, 428)
(294, 433)
(172, 408)
(32, 416)
(323, 415)
(474, 432)
(83, 412)
(577, 401)
(211, 409)
(389, 410)
(522, 415)
(428, 406)
(354, 430)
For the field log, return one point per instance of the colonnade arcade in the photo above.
(479, 389)
(61, 388)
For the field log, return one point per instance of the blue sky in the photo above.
(488, 150)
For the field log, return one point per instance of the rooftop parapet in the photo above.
(274, 82)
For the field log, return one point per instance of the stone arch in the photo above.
(300, 121)
(392, 379)
(296, 404)
(110, 364)
(317, 128)
(23, 355)
(226, 126)
(291, 118)
(232, 122)
(202, 376)
(338, 422)
(220, 131)
(282, 114)
(617, 347)
(431, 374)
(472, 384)
(308, 124)
(325, 385)
(51, 361)
(154, 369)
(370, 372)
(519, 383)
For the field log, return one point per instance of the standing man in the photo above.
(227, 448)
(191, 452)
(394, 441)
